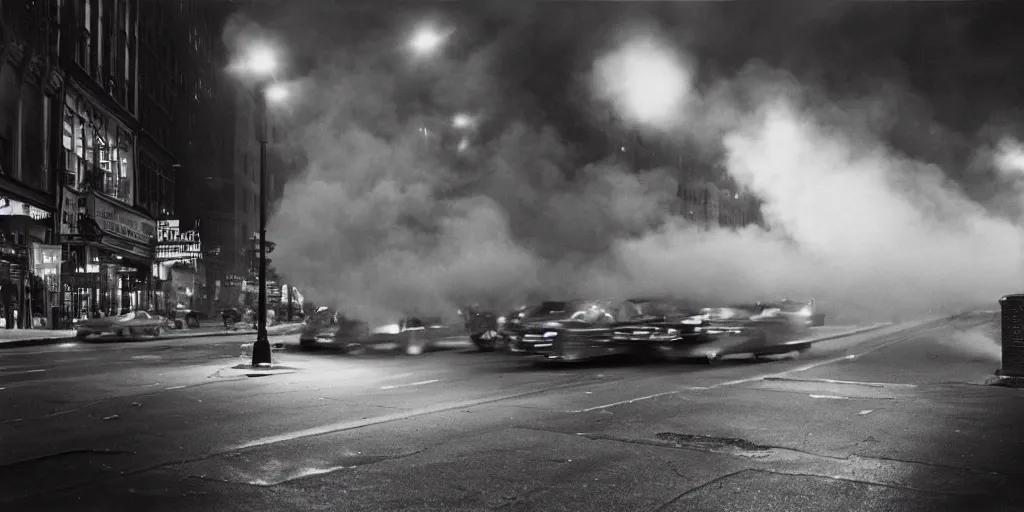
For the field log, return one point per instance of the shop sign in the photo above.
(70, 209)
(117, 220)
(13, 207)
(135, 249)
(175, 244)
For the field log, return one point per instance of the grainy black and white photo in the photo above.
(537, 255)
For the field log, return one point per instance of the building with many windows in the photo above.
(185, 137)
(107, 228)
(31, 91)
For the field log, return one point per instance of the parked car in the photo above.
(130, 324)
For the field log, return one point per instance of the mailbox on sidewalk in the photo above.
(1013, 336)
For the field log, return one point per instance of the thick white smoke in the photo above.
(864, 227)
(382, 224)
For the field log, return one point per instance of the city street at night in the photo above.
(266, 255)
(893, 418)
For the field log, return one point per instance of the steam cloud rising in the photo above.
(379, 226)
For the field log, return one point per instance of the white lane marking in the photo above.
(865, 412)
(378, 420)
(300, 474)
(830, 397)
(411, 384)
(631, 400)
(175, 387)
(781, 374)
(26, 371)
(852, 382)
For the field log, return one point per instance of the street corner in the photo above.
(259, 370)
(1006, 381)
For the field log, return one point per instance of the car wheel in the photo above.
(354, 349)
(157, 331)
(81, 335)
(412, 346)
(486, 341)
(713, 359)
(124, 333)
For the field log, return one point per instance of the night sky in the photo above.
(955, 66)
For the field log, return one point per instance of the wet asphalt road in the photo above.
(171, 425)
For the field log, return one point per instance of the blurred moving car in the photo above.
(482, 327)
(656, 328)
(318, 327)
(577, 330)
(805, 312)
(129, 324)
(758, 329)
(409, 335)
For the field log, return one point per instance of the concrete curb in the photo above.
(40, 342)
(903, 327)
(842, 334)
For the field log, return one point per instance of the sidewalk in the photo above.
(14, 338)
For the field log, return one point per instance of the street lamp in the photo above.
(463, 121)
(426, 40)
(260, 64)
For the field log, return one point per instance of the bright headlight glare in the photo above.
(387, 329)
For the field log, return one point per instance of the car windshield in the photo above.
(790, 306)
(665, 308)
(559, 307)
(730, 313)
(133, 315)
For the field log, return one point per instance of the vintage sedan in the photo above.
(578, 330)
(410, 335)
(130, 324)
(759, 330)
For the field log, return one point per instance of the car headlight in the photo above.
(694, 320)
(805, 311)
(387, 329)
(672, 331)
(502, 320)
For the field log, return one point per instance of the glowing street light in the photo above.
(276, 93)
(463, 121)
(427, 40)
(261, 61)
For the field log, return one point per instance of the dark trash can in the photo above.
(1012, 335)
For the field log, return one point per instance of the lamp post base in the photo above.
(261, 350)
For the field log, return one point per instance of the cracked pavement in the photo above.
(894, 419)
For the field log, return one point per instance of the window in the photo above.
(84, 54)
(33, 152)
(100, 40)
